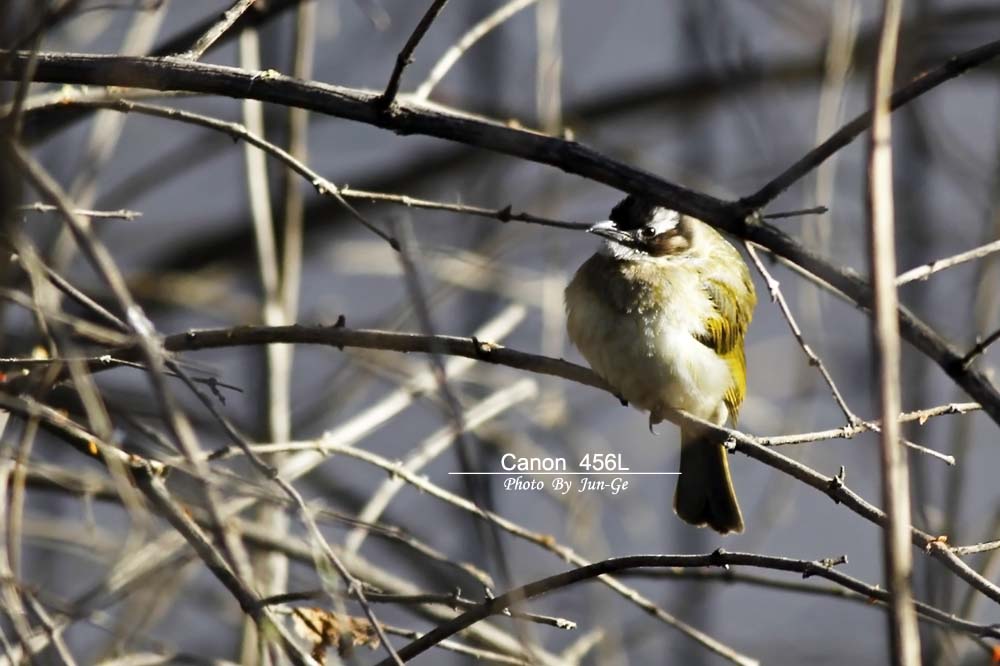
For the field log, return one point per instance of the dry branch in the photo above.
(904, 639)
(412, 118)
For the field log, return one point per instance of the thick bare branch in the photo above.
(720, 558)
(410, 118)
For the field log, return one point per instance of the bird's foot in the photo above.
(653, 420)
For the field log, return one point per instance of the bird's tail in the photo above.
(705, 494)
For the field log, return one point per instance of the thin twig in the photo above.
(778, 297)
(333, 336)
(853, 421)
(980, 348)
(847, 432)
(921, 416)
(405, 56)
(238, 131)
(932, 267)
(226, 21)
(953, 67)
(121, 214)
(985, 547)
(815, 210)
(505, 214)
(454, 600)
(477, 654)
(465, 42)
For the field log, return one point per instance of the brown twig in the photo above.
(932, 267)
(953, 67)
(216, 30)
(454, 600)
(477, 654)
(505, 214)
(465, 42)
(334, 336)
(980, 348)
(921, 416)
(778, 297)
(297, 165)
(238, 131)
(405, 57)
(121, 214)
(815, 210)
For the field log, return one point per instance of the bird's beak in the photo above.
(608, 229)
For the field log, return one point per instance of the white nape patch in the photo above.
(664, 220)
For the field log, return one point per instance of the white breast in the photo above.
(651, 358)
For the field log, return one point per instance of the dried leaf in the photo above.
(362, 632)
(325, 629)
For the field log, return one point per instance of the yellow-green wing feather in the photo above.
(724, 333)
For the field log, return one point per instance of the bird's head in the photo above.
(641, 230)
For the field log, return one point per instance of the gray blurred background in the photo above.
(718, 95)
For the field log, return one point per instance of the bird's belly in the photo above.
(653, 361)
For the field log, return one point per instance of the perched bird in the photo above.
(660, 313)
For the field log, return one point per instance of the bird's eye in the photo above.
(648, 232)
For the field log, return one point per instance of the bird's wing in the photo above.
(733, 309)
(733, 303)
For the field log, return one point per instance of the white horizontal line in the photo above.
(564, 473)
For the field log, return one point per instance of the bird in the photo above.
(660, 312)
